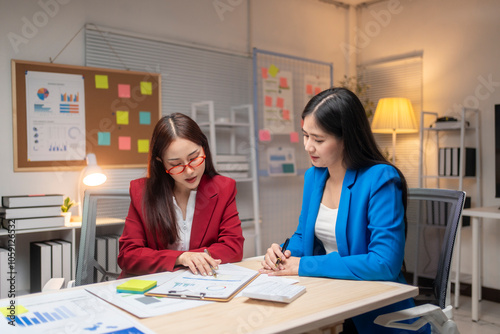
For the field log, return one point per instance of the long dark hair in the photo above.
(158, 205)
(339, 112)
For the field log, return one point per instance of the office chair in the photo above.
(112, 204)
(435, 216)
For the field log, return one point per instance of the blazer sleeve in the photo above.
(139, 253)
(376, 239)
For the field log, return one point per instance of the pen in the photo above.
(214, 273)
(283, 249)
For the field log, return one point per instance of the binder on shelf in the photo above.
(40, 265)
(23, 201)
(32, 223)
(442, 162)
(447, 163)
(112, 254)
(4, 271)
(66, 260)
(467, 205)
(56, 259)
(31, 212)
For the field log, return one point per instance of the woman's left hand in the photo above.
(288, 267)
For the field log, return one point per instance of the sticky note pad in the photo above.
(144, 117)
(123, 90)
(146, 88)
(104, 138)
(122, 117)
(280, 102)
(263, 71)
(101, 81)
(136, 286)
(294, 137)
(18, 309)
(273, 70)
(124, 143)
(143, 145)
(264, 135)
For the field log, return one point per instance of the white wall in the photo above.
(39, 30)
(461, 67)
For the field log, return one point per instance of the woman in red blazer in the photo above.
(182, 208)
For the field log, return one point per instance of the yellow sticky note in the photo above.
(18, 309)
(273, 70)
(101, 81)
(143, 145)
(146, 88)
(122, 117)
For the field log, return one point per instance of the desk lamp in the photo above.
(394, 115)
(91, 176)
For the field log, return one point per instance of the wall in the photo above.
(39, 30)
(459, 41)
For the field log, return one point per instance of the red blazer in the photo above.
(216, 226)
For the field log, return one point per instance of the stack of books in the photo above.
(31, 211)
(233, 166)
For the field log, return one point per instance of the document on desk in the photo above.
(230, 280)
(143, 306)
(69, 310)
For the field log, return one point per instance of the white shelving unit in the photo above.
(24, 237)
(235, 136)
(461, 128)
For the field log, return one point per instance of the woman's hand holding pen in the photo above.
(198, 262)
(288, 265)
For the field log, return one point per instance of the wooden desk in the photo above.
(476, 223)
(326, 302)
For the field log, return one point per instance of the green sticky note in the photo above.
(146, 88)
(17, 310)
(144, 117)
(136, 286)
(122, 117)
(143, 145)
(288, 169)
(104, 138)
(101, 81)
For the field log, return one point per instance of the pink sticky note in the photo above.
(286, 114)
(280, 102)
(317, 90)
(264, 72)
(264, 135)
(283, 82)
(124, 143)
(268, 101)
(294, 137)
(309, 89)
(123, 90)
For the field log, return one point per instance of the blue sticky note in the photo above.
(104, 138)
(144, 117)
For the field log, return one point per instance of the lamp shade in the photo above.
(92, 174)
(394, 114)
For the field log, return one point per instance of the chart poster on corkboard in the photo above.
(62, 112)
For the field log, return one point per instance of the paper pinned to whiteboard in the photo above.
(281, 161)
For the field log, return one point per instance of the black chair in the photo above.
(433, 220)
(106, 208)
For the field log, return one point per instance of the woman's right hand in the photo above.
(198, 262)
(272, 255)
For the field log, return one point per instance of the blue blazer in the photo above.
(370, 233)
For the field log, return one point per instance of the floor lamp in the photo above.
(92, 176)
(394, 115)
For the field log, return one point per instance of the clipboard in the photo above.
(231, 279)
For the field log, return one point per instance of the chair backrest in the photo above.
(109, 206)
(433, 220)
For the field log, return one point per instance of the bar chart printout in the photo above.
(77, 311)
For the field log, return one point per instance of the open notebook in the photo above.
(229, 281)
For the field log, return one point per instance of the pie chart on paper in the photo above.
(43, 93)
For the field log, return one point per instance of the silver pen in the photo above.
(214, 273)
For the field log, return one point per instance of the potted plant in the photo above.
(67, 204)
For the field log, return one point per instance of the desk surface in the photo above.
(483, 212)
(327, 301)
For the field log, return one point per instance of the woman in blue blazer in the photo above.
(353, 219)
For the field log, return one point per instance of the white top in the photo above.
(325, 227)
(184, 225)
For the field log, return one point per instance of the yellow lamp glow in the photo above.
(91, 176)
(394, 115)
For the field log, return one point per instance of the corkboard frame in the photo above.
(100, 105)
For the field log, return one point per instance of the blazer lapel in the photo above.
(316, 196)
(343, 213)
(206, 199)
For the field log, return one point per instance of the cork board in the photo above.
(112, 115)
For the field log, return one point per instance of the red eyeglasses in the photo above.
(179, 169)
